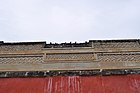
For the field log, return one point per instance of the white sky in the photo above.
(69, 20)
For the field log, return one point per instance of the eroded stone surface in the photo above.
(69, 73)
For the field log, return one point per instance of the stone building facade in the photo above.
(89, 58)
(96, 66)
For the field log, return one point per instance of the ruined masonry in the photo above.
(95, 57)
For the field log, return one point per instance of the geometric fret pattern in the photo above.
(70, 57)
(118, 45)
(119, 57)
(21, 60)
(101, 57)
(97, 54)
(20, 47)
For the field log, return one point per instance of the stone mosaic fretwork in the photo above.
(20, 47)
(95, 54)
(71, 57)
(117, 57)
(21, 59)
(116, 45)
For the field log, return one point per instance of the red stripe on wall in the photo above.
(72, 84)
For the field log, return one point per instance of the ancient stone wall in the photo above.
(21, 46)
(92, 55)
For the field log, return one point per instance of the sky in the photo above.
(69, 20)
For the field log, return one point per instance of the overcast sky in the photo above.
(69, 20)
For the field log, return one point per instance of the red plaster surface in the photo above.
(72, 84)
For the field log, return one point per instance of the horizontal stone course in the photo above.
(69, 73)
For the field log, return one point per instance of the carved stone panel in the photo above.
(21, 59)
(71, 57)
(116, 45)
(123, 57)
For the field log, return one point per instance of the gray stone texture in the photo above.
(92, 55)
